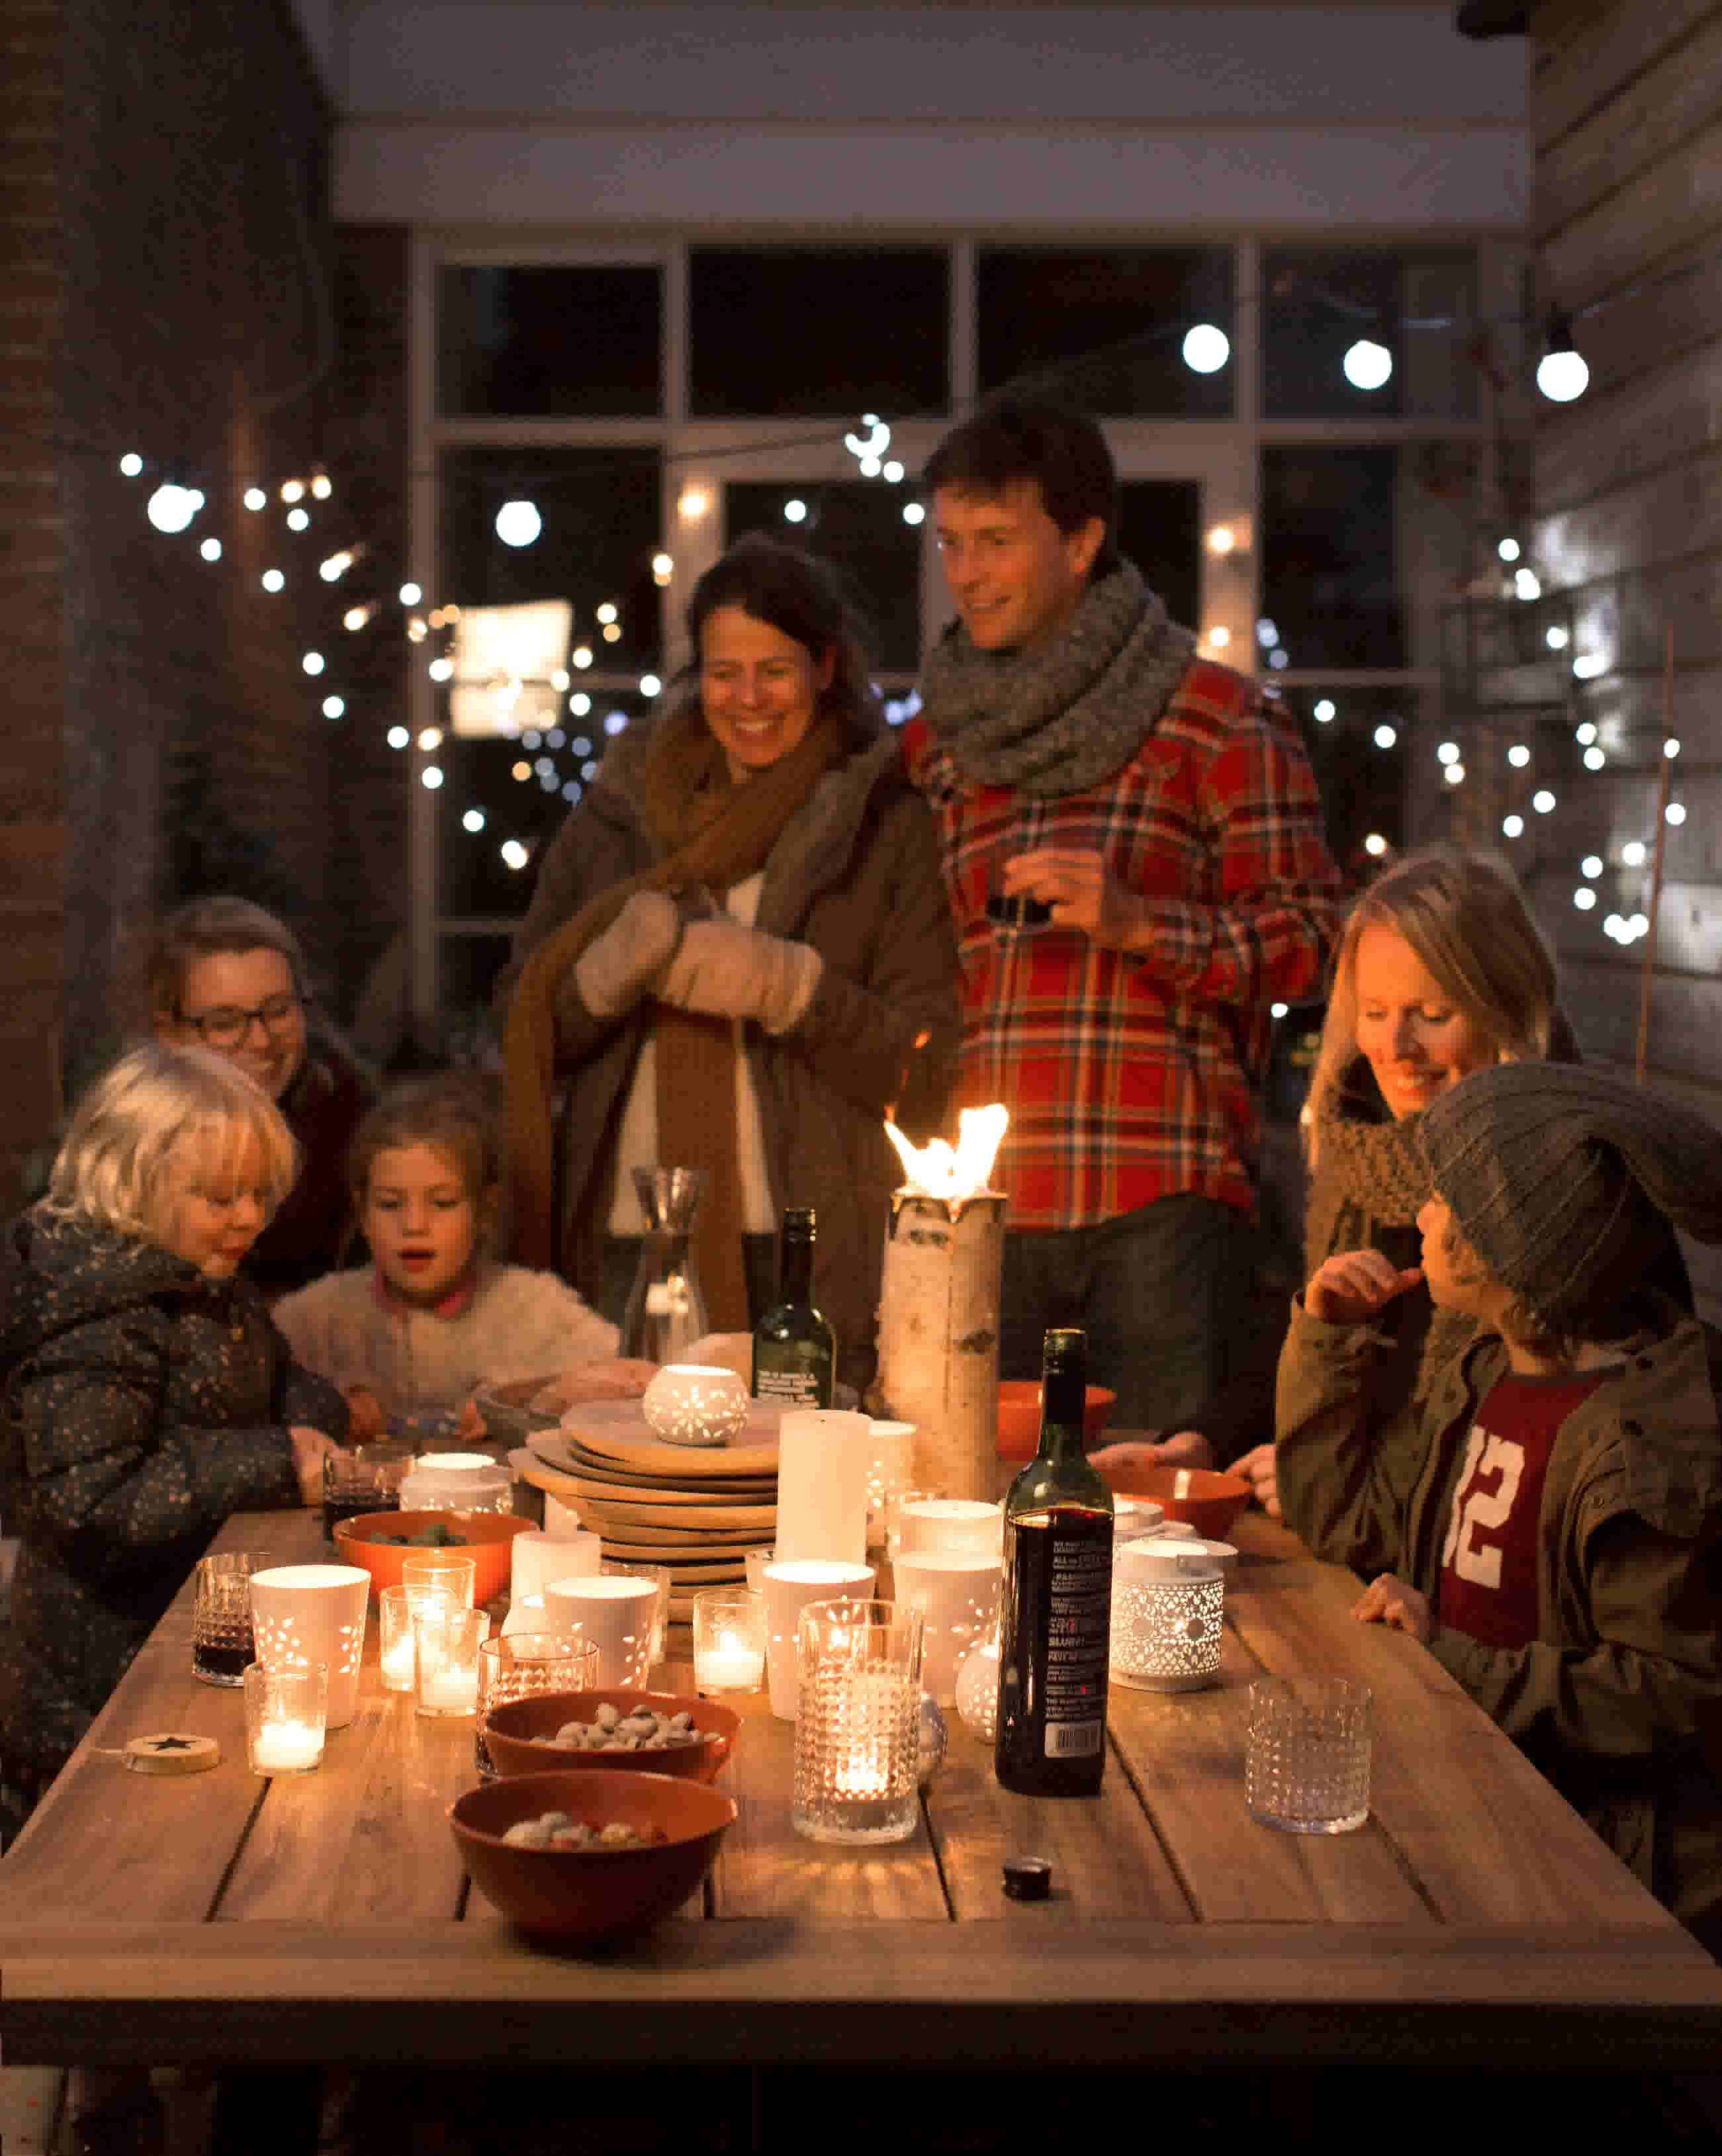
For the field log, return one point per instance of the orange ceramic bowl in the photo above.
(1209, 1500)
(571, 1896)
(1019, 1416)
(518, 1733)
(488, 1537)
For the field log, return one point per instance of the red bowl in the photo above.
(1019, 1416)
(489, 1536)
(1207, 1499)
(519, 1733)
(570, 1897)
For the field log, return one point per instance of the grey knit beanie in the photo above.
(1564, 1180)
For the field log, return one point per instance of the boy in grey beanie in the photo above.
(1550, 1525)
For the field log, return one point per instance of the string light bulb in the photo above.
(518, 523)
(692, 503)
(131, 464)
(298, 520)
(1205, 348)
(292, 489)
(914, 512)
(171, 506)
(254, 499)
(334, 707)
(1513, 827)
(1222, 539)
(1561, 372)
(210, 549)
(1367, 365)
(322, 485)
(1633, 854)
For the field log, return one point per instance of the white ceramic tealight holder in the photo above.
(302, 1614)
(562, 1523)
(617, 1615)
(823, 1454)
(1168, 1599)
(957, 1593)
(535, 1558)
(1136, 1515)
(457, 1482)
(695, 1403)
(789, 1586)
(891, 1451)
(961, 1524)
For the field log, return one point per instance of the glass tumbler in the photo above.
(857, 1723)
(446, 1642)
(222, 1644)
(286, 1713)
(523, 1665)
(353, 1485)
(1307, 1754)
(446, 1571)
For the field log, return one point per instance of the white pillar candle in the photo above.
(562, 1523)
(537, 1558)
(823, 1456)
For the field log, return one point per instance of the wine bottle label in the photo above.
(1078, 1640)
(794, 1388)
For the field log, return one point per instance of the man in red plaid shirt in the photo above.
(1132, 849)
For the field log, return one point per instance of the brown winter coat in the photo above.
(855, 874)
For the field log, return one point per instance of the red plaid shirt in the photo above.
(1131, 1076)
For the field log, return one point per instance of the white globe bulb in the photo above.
(518, 523)
(1206, 348)
(1562, 375)
(171, 508)
(1367, 364)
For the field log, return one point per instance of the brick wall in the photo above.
(171, 286)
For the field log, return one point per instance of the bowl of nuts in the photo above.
(578, 1857)
(654, 1732)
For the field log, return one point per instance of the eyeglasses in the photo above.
(227, 1025)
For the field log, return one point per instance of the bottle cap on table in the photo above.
(1028, 1878)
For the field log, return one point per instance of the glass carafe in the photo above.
(666, 1311)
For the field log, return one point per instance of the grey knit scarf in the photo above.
(1057, 721)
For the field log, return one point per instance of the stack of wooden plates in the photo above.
(697, 1509)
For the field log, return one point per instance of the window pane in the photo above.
(1160, 530)
(467, 970)
(1330, 520)
(600, 516)
(1107, 326)
(524, 789)
(576, 341)
(856, 525)
(835, 331)
(1417, 305)
(1360, 771)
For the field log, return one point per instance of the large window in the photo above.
(626, 410)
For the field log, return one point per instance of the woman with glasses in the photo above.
(224, 972)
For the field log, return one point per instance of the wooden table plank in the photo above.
(877, 1995)
(1524, 1855)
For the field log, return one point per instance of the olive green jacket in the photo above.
(1618, 1700)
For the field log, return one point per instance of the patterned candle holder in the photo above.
(458, 1481)
(695, 1403)
(890, 1466)
(302, 1614)
(1168, 1601)
(858, 1722)
(978, 1689)
(523, 1666)
(957, 1593)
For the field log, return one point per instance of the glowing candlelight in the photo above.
(939, 1170)
(398, 1665)
(863, 1774)
(450, 1691)
(287, 1747)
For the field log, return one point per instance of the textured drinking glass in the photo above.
(352, 1486)
(857, 1723)
(447, 1569)
(446, 1643)
(1307, 1756)
(522, 1665)
(729, 1641)
(286, 1711)
(221, 1619)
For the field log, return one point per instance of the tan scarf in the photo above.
(716, 833)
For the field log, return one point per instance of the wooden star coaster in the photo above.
(171, 1752)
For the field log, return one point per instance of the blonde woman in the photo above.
(1440, 971)
(145, 1392)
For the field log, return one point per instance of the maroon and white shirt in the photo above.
(1487, 1583)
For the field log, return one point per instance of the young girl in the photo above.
(433, 1317)
(144, 1393)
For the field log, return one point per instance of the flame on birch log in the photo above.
(938, 1305)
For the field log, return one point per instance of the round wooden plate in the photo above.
(617, 1430)
(601, 1510)
(562, 1453)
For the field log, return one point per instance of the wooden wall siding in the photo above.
(1626, 120)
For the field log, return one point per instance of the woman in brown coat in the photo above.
(738, 957)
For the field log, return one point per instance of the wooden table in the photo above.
(1473, 1920)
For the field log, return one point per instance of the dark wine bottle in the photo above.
(794, 1350)
(1055, 1623)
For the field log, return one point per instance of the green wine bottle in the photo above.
(794, 1350)
(1055, 1626)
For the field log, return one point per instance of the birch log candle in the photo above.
(938, 1306)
